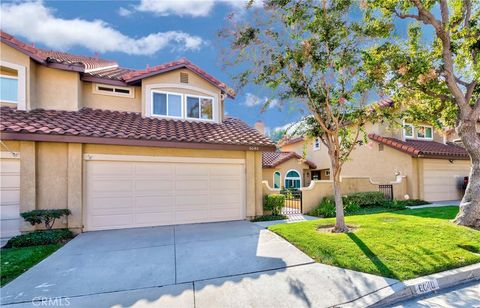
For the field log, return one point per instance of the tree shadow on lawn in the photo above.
(384, 270)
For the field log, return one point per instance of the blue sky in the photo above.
(136, 34)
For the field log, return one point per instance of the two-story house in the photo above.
(433, 164)
(120, 147)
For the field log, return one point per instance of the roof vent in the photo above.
(183, 77)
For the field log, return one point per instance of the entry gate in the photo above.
(293, 201)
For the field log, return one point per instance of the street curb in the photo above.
(405, 290)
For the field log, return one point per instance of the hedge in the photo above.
(37, 238)
(274, 203)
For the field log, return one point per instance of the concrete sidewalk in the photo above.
(437, 204)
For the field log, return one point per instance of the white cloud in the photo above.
(96, 35)
(194, 8)
(124, 12)
(252, 100)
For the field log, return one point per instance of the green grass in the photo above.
(15, 261)
(373, 210)
(403, 244)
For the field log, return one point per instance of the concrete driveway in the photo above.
(199, 265)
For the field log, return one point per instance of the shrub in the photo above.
(274, 203)
(393, 204)
(269, 218)
(38, 238)
(413, 202)
(364, 199)
(326, 208)
(47, 217)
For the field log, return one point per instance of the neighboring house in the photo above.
(285, 169)
(433, 164)
(119, 147)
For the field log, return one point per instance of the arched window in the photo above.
(276, 179)
(292, 179)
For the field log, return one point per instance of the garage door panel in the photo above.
(154, 185)
(162, 193)
(154, 170)
(441, 179)
(10, 196)
(156, 202)
(191, 185)
(114, 202)
(111, 185)
(97, 168)
(10, 180)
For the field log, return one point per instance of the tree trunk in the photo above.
(340, 225)
(469, 214)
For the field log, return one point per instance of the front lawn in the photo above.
(402, 245)
(15, 261)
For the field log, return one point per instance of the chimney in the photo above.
(260, 126)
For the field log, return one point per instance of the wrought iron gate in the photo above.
(293, 201)
(387, 191)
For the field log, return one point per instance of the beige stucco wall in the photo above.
(293, 163)
(110, 102)
(57, 89)
(52, 174)
(196, 85)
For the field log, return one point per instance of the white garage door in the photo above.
(9, 195)
(441, 178)
(126, 192)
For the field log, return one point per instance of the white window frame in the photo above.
(405, 137)
(21, 84)
(200, 107)
(182, 104)
(315, 147)
(425, 138)
(96, 90)
(291, 178)
(10, 77)
(280, 183)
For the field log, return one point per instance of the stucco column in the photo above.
(258, 184)
(250, 182)
(74, 188)
(28, 189)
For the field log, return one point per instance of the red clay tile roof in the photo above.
(290, 140)
(105, 69)
(420, 148)
(273, 159)
(129, 128)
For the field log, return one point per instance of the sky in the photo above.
(146, 32)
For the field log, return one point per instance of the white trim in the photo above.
(290, 178)
(101, 68)
(22, 89)
(152, 87)
(166, 101)
(200, 107)
(405, 137)
(273, 182)
(424, 138)
(165, 159)
(9, 155)
(96, 90)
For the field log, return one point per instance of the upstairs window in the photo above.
(113, 90)
(8, 89)
(316, 144)
(198, 107)
(167, 104)
(408, 131)
(425, 132)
